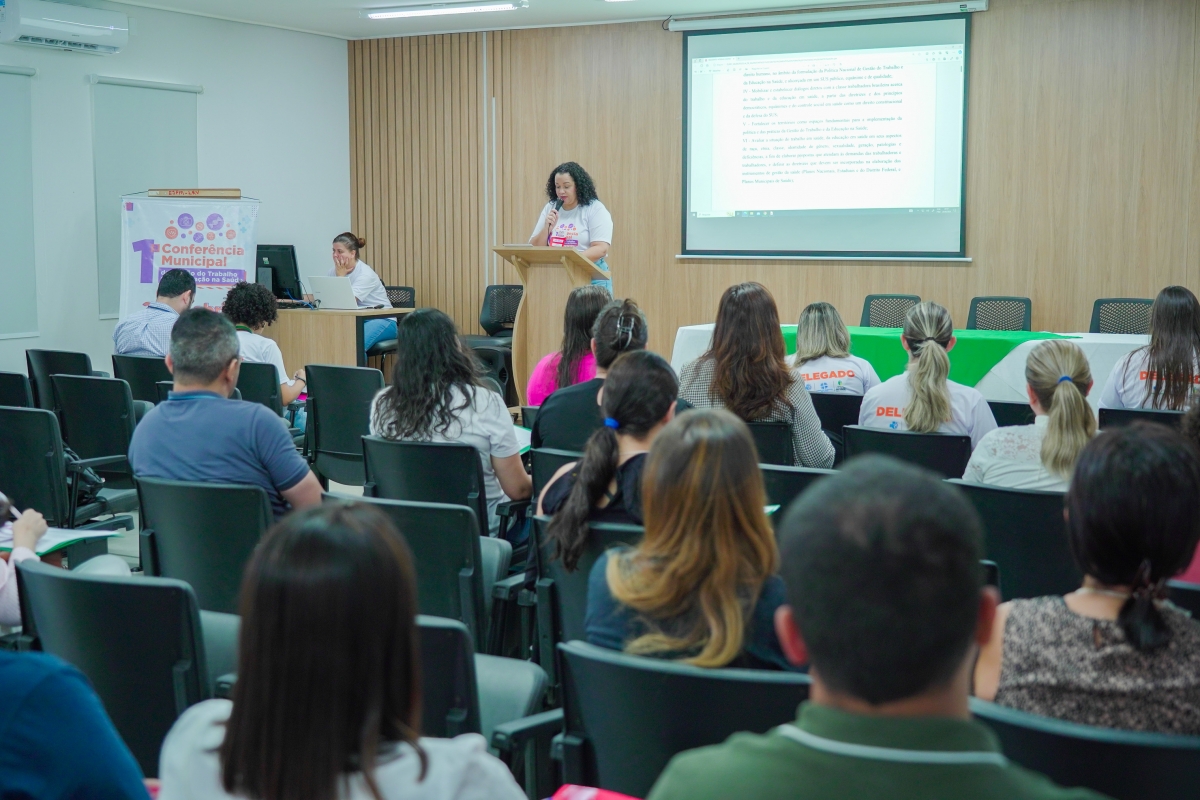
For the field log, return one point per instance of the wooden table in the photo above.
(327, 336)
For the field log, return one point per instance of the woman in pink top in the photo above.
(574, 362)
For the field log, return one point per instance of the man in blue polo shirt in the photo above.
(199, 434)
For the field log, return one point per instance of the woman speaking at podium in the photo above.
(575, 217)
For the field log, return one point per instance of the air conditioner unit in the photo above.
(63, 27)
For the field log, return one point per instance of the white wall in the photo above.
(272, 121)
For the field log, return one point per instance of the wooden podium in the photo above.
(548, 274)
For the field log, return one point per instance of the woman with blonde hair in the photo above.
(1042, 455)
(702, 585)
(823, 354)
(923, 398)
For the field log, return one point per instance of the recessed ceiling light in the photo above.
(438, 9)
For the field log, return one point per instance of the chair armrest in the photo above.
(512, 507)
(101, 461)
(223, 687)
(148, 552)
(99, 373)
(508, 589)
(509, 737)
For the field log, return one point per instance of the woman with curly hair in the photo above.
(574, 217)
(251, 308)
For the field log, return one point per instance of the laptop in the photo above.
(332, 292)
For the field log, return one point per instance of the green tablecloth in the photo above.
(973, 356)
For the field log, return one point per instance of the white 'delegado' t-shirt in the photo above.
(827, 375)
(579, 227)
(970, 415)
(1129, 380)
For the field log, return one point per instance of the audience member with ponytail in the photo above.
(566, 419)
(1113, 653)
(922, 398)
(1042, 455)
(702, 584)
(573, 362)
(1165, 373)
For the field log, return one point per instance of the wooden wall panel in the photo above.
(1083, 162)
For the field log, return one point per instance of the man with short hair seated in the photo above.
(148, 332)
(199, 434)
(887, 606)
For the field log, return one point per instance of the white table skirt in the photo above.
(1004, 382)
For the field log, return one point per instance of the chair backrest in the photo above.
(44, 363)
(1000, 314)
(785, 484)
(528, 415)
(836, 410)
(499, 310)
(1009, 414)
(773, 441)
(401, 296)
(427, 472)
(337, 425)
(1024, 533)
(1120, 417)
(545, 461)
(493, 362)
(1121, 315)
(15, 390)
(886, 310)
(627, 716)
(260, 383)
(449, 695)
(203, 533)
(141, 373)
(1185, 595)
(138, 641)
(96, 414)
(1124, 765)
(444, 540)
(943, 453)
(164, 388)
(33, 472)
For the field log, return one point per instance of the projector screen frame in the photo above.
(830, 255)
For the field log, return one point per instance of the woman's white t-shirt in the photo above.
(1011, 457)
(368, 289)
(970, 415)
(260, 350)
(577, 228)
(827, 375)
(1129, 380)
(458, 769)
(486, 425)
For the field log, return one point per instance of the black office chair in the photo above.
(35, 474)
(1120, 417)
(943, 453)
(886, 310)
(836, 410)
(774, 442)
(337, 425)
(496, 363)
(139, 641)
(1000, 314)
(1185, 595)
(1024, 533)
(202, 533)
(41, 364)
(431, 472)
(626, 716)
(97, 419)
(1121, 315)
(545, 461)
(401, 296)
(1010, 414)
(785, 484)
(1124, 765)
(496, 316)
(259, 383)
(528, 415)
(457, 569)
(142, 373)
(15, 390)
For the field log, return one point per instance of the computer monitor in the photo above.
(281, 260)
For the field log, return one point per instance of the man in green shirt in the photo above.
(887, 606)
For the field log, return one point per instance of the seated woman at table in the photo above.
(823, 354)
(573, 362)
(1042, 455)
(702, 584)
(1112, 653)
(436, 396)
(638, 400)
(922, 398)
(251, 308)
(369, 291)
(1165, 373)
(745, 371)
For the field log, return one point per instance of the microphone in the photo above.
(558, 205)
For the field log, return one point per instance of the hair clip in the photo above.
(1065, 378)
(612, 423)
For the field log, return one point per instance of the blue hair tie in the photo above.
(1064, 378)
(612, 423)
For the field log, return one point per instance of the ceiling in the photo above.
(342, 19)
